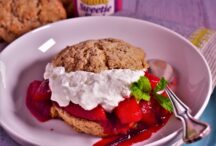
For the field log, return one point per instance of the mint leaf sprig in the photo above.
(161, 85)
(142, 90)
(163, 101)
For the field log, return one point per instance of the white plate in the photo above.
(22, 61)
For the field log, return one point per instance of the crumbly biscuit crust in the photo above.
(80, 125)
(99, 55)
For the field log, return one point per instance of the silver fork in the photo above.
(193, 129)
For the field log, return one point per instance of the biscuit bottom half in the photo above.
(78, 124)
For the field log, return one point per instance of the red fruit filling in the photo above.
(96, 114)
(153, 79)
(43, 92)
(38, 100)
(131, 121)
(148, 114)
(128, 111)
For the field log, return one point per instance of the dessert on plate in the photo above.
(102, 88)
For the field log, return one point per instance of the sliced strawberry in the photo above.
(153, 79)
(148, 115)
(43, 91)
(128, 111)
(33, 86)
(114, 127)
(159, 111)
(122, 128)
(96, 114)
(40, 109)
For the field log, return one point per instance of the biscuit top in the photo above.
(98, 55)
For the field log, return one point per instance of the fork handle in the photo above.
(193, 129)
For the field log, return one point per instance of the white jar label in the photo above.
(95, 7)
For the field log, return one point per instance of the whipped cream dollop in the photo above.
(89, 89)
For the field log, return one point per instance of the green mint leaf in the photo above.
(138, 93)
(144, 84)
(161, 85)
(164, 102)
